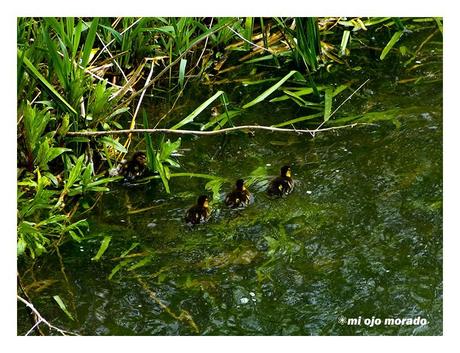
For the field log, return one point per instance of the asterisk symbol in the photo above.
(342, 320)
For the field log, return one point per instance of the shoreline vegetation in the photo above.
(82, 85)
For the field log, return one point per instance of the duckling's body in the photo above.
(282, 185)
(136, 167)
(239, 197)
(200, 212)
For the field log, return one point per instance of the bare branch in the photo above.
(207, 133)
(41, 319)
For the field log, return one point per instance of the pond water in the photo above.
(360, 236)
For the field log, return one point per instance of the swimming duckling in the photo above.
(239, 197)
(136, 167)
(200, 212)
(282, 185)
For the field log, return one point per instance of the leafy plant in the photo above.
(160, 160)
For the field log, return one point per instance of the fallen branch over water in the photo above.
(42, 320)
(214, 132)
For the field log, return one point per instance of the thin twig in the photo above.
(116, 63)
(335, 111)
(113, 40)
(204, 47)
(149, 77)
(34, 317)
(247, 41)
(216, 132)
(174, 104)
(42, 319)
(133, 120)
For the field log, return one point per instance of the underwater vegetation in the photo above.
(122, 123)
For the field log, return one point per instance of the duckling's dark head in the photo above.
(240, 184)
(203, 201)
(286, 171)
(140, 158)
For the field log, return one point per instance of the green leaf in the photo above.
(394, 39)
(168, 147)
(343, 44)
(115, 34)
(35, 122)
(55, 152)
(104, 245)
(269, 91)
(197, 111)
(439, 23)
(44, 82)
(215, 185)
(149, 143)
(221, 119)
(21, 246)
(62, 306)
(117, 112)
(182, 65)
(299, 92)
(119, 267)
(76, 38)
(328, 94)
(126, 252)
(299, 119)
(340, 89)
(75, 236)
(89, 42)
(114, 143)
(161, 170)
(141, 263)
(74, 172)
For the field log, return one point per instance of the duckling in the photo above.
(282, 185)
(136, 167)
(239, 197)
(200, 212)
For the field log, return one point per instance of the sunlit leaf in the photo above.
(114, 143)
(327, 103)
(394, 39)
(269, 91)
(62, 306)
(197, 111)
(103, 248)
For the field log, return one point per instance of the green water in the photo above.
(360, 236)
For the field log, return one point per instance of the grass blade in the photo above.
(149, 144)
(89, 42)
(44, 82)
(343, 44)
(298, 120)
(390, 44)
(106, 140)
(328, 94)
(119, 267)
(104, 245)
(197, 111)
(62, 306)
(141, 263)
(182, 66)
(269, 91)
(439, 23)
